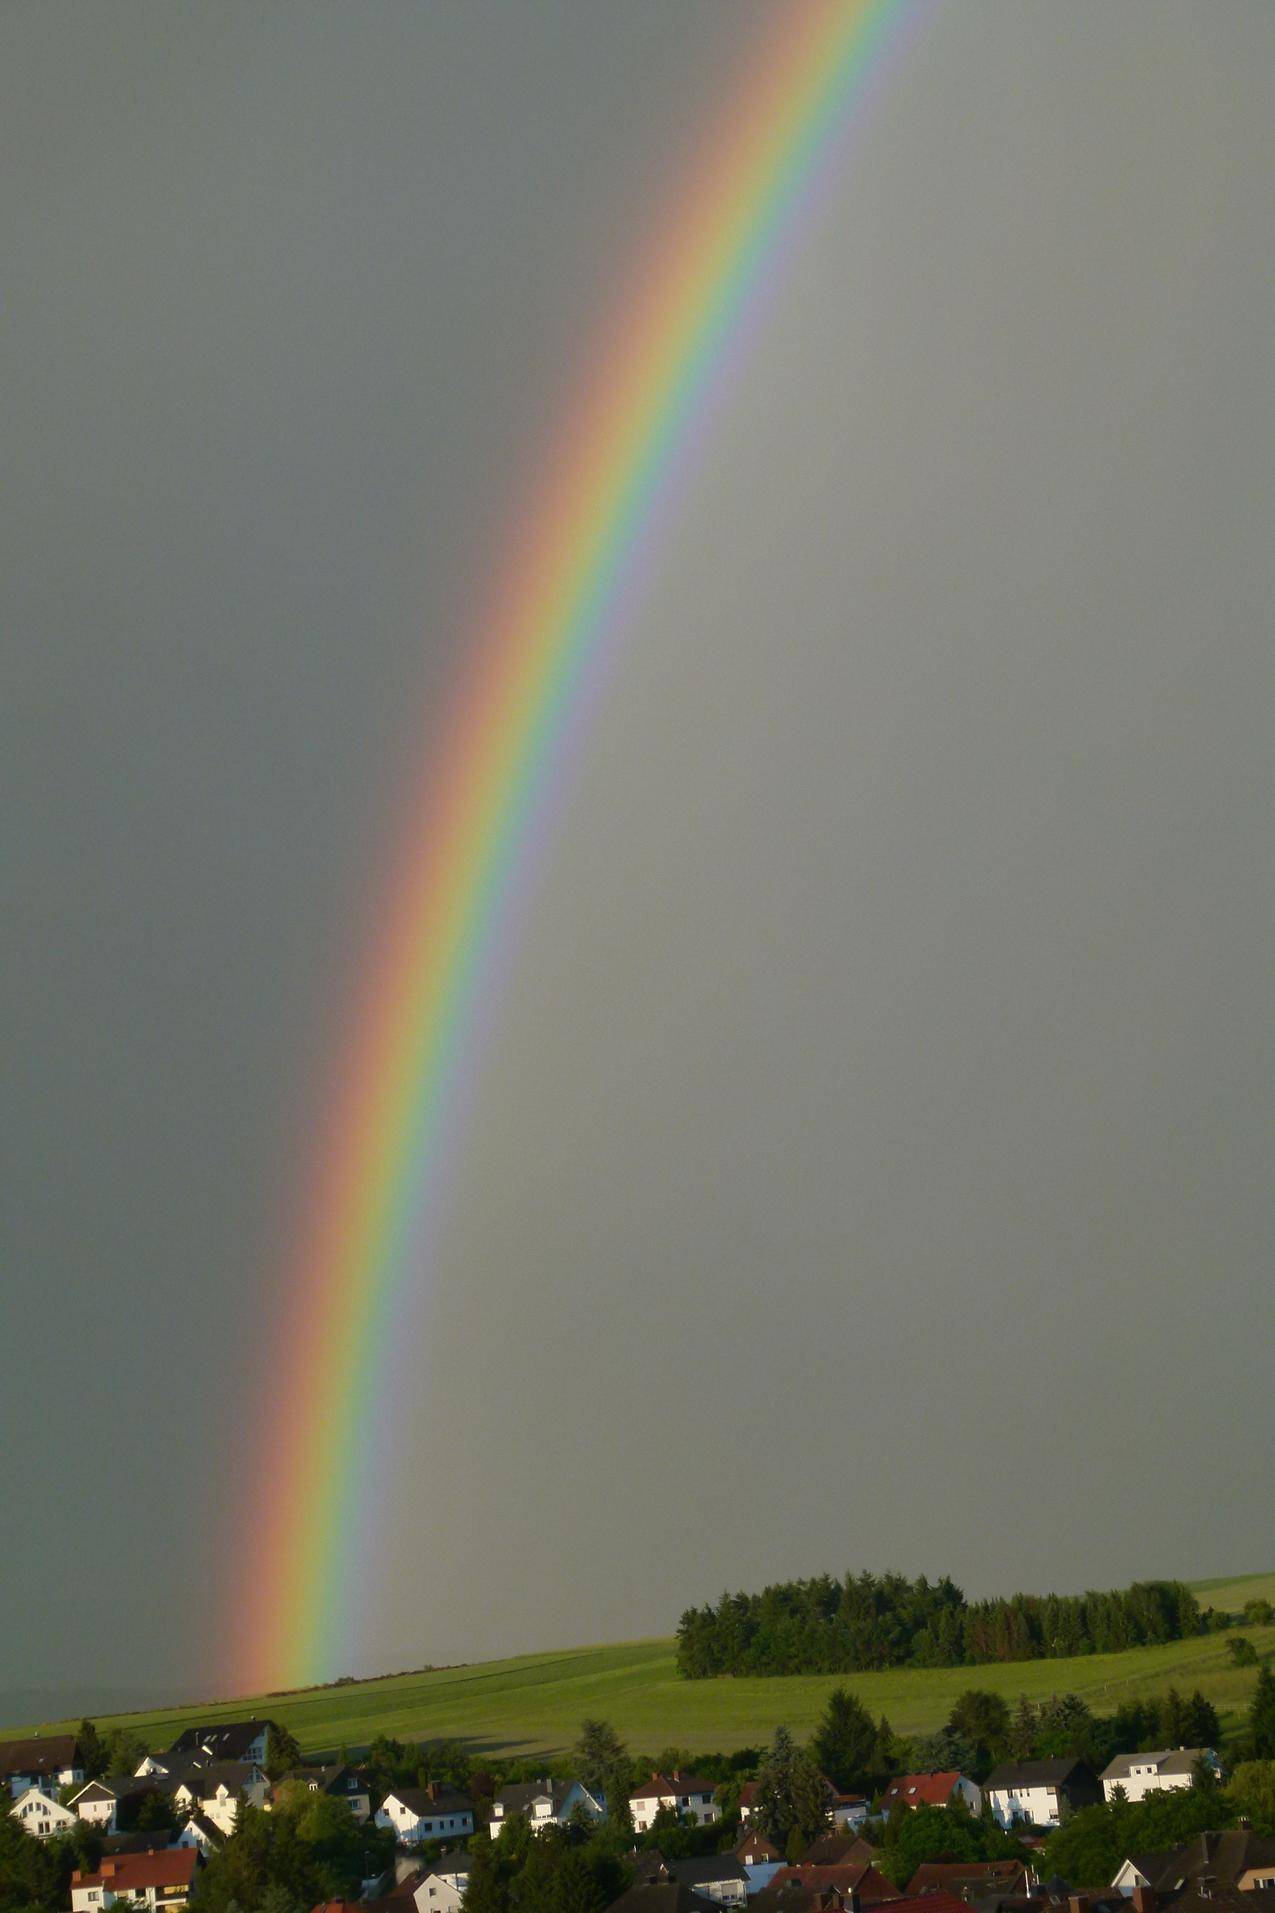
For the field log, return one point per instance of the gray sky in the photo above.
(872, 1161)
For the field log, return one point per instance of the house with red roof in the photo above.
(152, 1879)
(932, 1790)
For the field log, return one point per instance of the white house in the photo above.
(47, 1761)
(417, 1814)
(215, 1791)
(689, 1797)
(544, 1803)
(441, 1888)
(96, 1804)
(155, 1879)
(1040, 1793)
(39, 1813)
(844, 1809)
(340, 1782)
(1160, 1772)
(203, 1834)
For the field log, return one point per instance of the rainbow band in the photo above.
(475, 817)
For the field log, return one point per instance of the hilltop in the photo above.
(534, 1703)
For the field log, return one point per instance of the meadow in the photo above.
(534, 1703)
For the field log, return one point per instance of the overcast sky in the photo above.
(872, 1161)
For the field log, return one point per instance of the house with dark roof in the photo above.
(545, 1803)
(337, 1780)
(440, 1888)
(1040, 1793)
(844, 1809)
(155, 1879)
(1167, 1768)
(932, 1789)
(838, 1849)
(970, 1879)
(47, 1761)
(718, 1877)
(417, 1814)
(224, 1740)
(203, 1834)
(687, 1795)
(1235, 1857)
(217, 1789)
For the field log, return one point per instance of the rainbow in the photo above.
(474, 819)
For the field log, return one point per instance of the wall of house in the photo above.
(1037, 1804)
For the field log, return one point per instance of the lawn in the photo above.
(535, 1702)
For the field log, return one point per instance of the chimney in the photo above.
(1078, 1903)
(1145, 1899)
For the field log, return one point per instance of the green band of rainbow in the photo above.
(474, 814)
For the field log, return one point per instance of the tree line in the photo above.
(865, 1621)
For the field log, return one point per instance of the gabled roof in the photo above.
(456, 1860)
(657, 1896)
(1221, 1857)
(223, 1739)
(715, 1866)
(753, 1840)
(987, 1876)
(838, 1848)
(41, 1754)
(932, 1789)
(1013, 1775)
(427, 1803)
(870, 1886)
(132, 1872)
(519, 1795)
(204, 1781)
(670, 1786)
(1165, 1760)
(206, 1828)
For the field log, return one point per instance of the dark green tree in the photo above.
(1261, 1717)
(1251, 1792)
(1242, 1651)
(92, 1751)
(981, 1719)
(603, 1764)
(283, 1752)
(1023, 1729)
(845, 1741)
(790, 1793)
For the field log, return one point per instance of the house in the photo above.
(544, 1803)
(796, 1888)
(932, 1790)
(1158, 1772)
(971, 1879)
(719, 1877)
(847, 1809)
(47, 1761)
(338, 1781)
(203, 1834)
(113, 1802)
(224, 1740)
(417, 1814)
(1040, 1792)
(686, 1794)
(1234, 1858)
(838, 1849)
(216, 1790)
(441, 1888)
(657, 1896)
(154, 1879)
(43, 1814)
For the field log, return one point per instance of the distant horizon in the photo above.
(85, 1701)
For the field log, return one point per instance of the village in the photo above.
(787, 1839)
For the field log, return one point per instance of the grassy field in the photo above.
(535, 1703)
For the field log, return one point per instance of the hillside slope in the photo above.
(535, 1702)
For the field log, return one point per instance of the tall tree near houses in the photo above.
(845, 1740)
(1023, 1729)
(790, 1793)
(1261, 1717)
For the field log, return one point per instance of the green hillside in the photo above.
(534, 1703)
